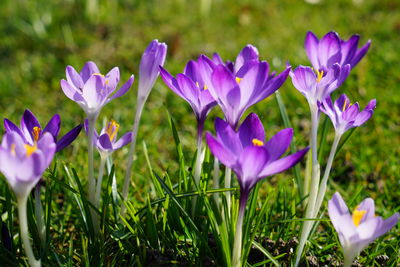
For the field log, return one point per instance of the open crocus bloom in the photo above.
(91, 89)
(356, 231)
(107, 142)
(324, 53)
(345, 115)
(23, 164)
(247, 153)
(317, 86)
(31, 131)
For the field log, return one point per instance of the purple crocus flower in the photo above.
(91, 89)
(345, 115)
(252, 83)
(247, 153)
(107, 142)
(152, 58)
(358, 230)
(31, 131)
(324, 53)
(317, 86)
(249, 54)
(252, 159)
(191, 86)
(23, 164)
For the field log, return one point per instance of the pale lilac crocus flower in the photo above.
(153, 57)
(344, 116)
(23, 165)
(106, 143)
(92, 90)
(357, 230)
(324, 53)
(252, 159)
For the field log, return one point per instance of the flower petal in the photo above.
(53, 126)
(69, 137)
(220, 152)
(279, 143)
(251, 128)
(311, 46)
(88, 70)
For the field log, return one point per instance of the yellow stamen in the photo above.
(257, 142)
(36, 133)
(30, 149)
(357, 216)
(99, 74)
(345, 106)
(238, 80)
(320, 74)
(197, 84)
(13, 150)
(205, 87)
(112, 129)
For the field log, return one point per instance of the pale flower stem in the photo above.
(23, 224)
(39, 215)
(199, 162)
(216, 180)
(92, 182)
(99, 181)
(323, 185)
(307, 225)
(228, 175)
(348, 261)
(128, 173)
(237, 245)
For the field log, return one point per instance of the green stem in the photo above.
(23, 223)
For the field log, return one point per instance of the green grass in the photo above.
(39, 39)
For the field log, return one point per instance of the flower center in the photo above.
(357, 216)
(112, 129)
(257, 142)
(36, 133)
(204, 86)
(320, 74)
(30, 149)
(238, 80)
(346, 105)
(13, 150)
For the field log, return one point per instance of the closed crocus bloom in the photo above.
(31, 131)
(106, 143)
(324, 53)
(152, 58)
(248, 154)
(23, 164)
(356, 231)
(345, 115)
(317, 86)
(91, 89)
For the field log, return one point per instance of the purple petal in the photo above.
(112, 79)
(227, 136)
(104, 142)
(252, 83)
(123, 141)
(248, 54)
(11, 127)
(220, 152)
(88, 70)
(69, 137)
(387, 224)
(28, 122)
(124, 88)
(250, 129)
(188, 89)
(349, 49)
(53, 126)
(92, 91)
(362, 117)
(283, 164)
(279, 143)
(48, 147)
(70, 92)
(170, 81)
(303, 79)
(367, 205)
(251, 162)
(226, 87)
(371, 105)
(271, 86)
(360, 54)
(73, 77)
(311, 46)
(329, 50)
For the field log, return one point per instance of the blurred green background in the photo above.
(38, 39)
